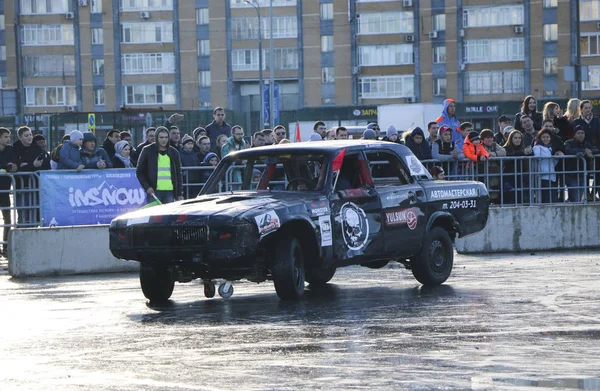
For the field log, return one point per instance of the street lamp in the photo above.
(254, 4)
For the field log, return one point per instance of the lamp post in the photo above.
(254, 4)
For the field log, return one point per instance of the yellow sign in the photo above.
(92, 122)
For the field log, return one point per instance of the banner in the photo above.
(267, 106)
(88, 197)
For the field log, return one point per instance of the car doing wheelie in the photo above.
(294, 213)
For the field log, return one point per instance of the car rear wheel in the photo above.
(157, 283)
(434, 263)
(319, 276)
(288, 269)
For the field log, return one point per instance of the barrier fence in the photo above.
(511, 181)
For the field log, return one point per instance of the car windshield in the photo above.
(275, 171)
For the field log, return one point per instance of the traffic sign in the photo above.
(92, 122)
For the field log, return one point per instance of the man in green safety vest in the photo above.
(159, 169)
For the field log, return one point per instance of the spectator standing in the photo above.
(70, 154)
(234, 143)
(571, 114)
(515, 183)
(445, 150)
(473, 149)
(391, 135)
(149, 139)
(560, 125)
(448, 118)
(175, 137)
(269, 137)
(7, 163)
(374, 126)
(159, 169)
(259, 139)
(575, 179)
(320, 128)
(528, 130)
(280, 133)
(416, 142)
(203, 144)
(368, 134)
(92, 156)
(341, 133)
(108, 145)
(460, 136)
(125, 136)
(29, 157)
(217, 127)
(55, 153)
(589, 123)
(221, 140)
(558, 147)
(433, 129)
(330, 134)
(189, 158)
(122, 157)
(528, 109)
(196, 134)
(543, 149)
(500, 136)
(211, 160)
(494, 167)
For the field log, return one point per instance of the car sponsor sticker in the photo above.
(138, 220)
(355, 227)
(325, 225)
(463, 192)
(397, 196)
(267, 222)
(399, 216)
(319, 208)
(415, 166)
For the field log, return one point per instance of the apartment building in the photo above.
(338, 56)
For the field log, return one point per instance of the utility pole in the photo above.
(578, 49)
(261, 83)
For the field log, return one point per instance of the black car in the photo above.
(294, 213)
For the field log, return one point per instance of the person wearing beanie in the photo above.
(487, 140)
(315, 137)
(437, 172)
(211, 160)
(92, 156)
(196, 134)
(473, 149)
(583, 149)
(69, 154)
(40, 140)
(122, 158)
(415, 141)
(369, 134)
(392, 135)
(188, 156)
(374, 127)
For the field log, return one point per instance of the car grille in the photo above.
(170, 236)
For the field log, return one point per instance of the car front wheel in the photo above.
(319, 276)
(288, 269)
(434, 263)
(157, 283)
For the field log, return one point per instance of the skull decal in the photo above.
(355, 228)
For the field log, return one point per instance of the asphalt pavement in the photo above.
(514, 322)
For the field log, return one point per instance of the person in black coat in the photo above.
(529, 109)
(7, 164)
(112, 138)
(147, 169)
(122, 158)
(416, 142)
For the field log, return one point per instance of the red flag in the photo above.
(298, 139)
(336, 163)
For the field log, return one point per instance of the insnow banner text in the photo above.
(88, 197)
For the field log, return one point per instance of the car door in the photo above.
(403, 204)
(356, 214)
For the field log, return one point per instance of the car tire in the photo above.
(288, 269)
(157, 283)
(434, 263)
(319, 276)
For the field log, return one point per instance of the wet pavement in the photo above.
(511, 322)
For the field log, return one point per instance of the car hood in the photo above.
(245, 205)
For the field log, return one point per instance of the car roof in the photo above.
(326, 147)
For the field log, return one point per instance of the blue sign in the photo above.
(267, 107)
(88, 197)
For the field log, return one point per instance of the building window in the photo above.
(589, 10)
(33, 7)
(379, 55)
(99, 97)
(96, 7)
(589, 45)
(2, 52)
(3, 82)
(204, 104)
(326, 43)
(494, 82)
(550, 32)
(203, 47)
(98, 67)
(493, 50)
(439, 54)
(47, 34)
(49, 65)
(147, 32)
(146, 5)
(439, 86)
(327, 101)
(147, 94)
(204, 78)
(202, 16)
(550, 3)
(399, 86)
(386, 23)
(244, 60)
(326, 11)
(247, 28)
(263, 3)
(504, 15)
(439, 22)
(550, 65)
(147, 63)
(593, 82)
(549, 93)
(247, 59)
(327, 74)
(50, 96)
(97, 37)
